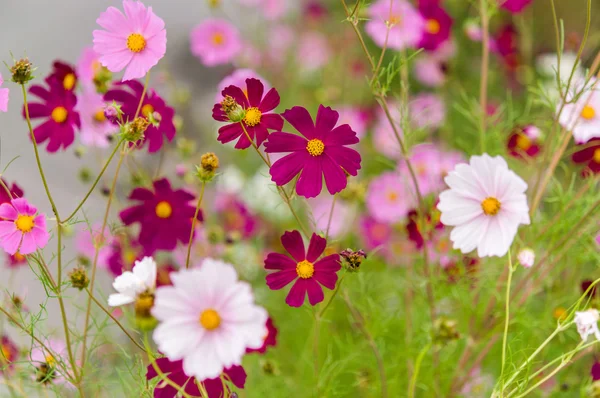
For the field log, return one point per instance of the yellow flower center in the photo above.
(490, 206)
(218, 39)
(523, 142)
(315, 147)
(147, 110)
(395, 19)
(392, 196)
(210, 319)
(432, 26)
(597, 155)
(305, 269)
(129, 256)
(69, 81)
(588, 112)
(19, 257)
(50, 361)
(6, 353)
(24, 223)
(559, 313)
(163, 209)
(252, 117)
(136, 42)
(143, 304)
(99, 116)
(59, 114)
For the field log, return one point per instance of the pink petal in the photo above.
(292, 242)
(116, 61)
(114, 21)
(138, 67)
(311, 180)
(7, 228)
(295, 297)
(301, 120)
(136, 14)
(315, 248)
(4, 99)
(11, 242)
(8, 212)
(27, 244)
(23, 207)
(154, 24)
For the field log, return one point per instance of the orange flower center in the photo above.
(210, 319)
(315, 147)
(24, 223)
(147, 110)
(163, 209)
(588, 112)
(6, 353)
(597, 155)
(432, 26)
(136, 42)
(523, 142)
(305, 269)
(392, 196)
(490, 206)
(218, 39)
(59, 114)
(99, 116)
(69, 81)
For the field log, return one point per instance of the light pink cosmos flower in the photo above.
(427, 111)
(87, 240)
(238, 78)
(384, 139)
(389, 198)
(215, 42)
(313, 51)
(51, 363)
(342, 219)
(407, 24)
(87, 66)
(135, 41)
(3, 97)
(355, 117)
(582, 117)
(22, 228)
(95, 128)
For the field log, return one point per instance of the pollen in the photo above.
(432, 26)
(588, 112)
(163, 209)
(305, 269)
(147, 110)
(69, 81)
(490, 206)
(252, 117)
(59, 114)
(218, 39)
(210, 319)
(597, 156)
(99, 116)
(136, 42)
(315, 147)
(523, 142)
(24, 223)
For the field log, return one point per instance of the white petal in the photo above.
(117, 299)
(457, 209)
(145, 271)
(128, 284)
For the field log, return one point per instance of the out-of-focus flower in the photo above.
(269, 340)
(313, 51)
(135, 284)
(234, 216)
(587, 323)
(208, 308)
(548, 66)
(355, 117)
(135, 41)
(124, 252)
(215, 42)
(22, 228)
(505, 44)
(50, 363)
(514, 6)
(486, 203)
(384, 139)
(389, 198)
(9, 353)
(478, 384)
(15, 191)
(342, 219)
(303, 268)
(431, 68)
(582, 118)
(88, 241)
(95, 128)
(595, 371)
(437, 26)
(3, 96)
(523, 142)
(427, 111)
(404, 23)
(64, 75)
(320, 152)
(526, 257)
(589, 156)
(432, 225)
(375, 234)
(238, 78)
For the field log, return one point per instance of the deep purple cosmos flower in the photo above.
(320, 152)
(589, 156)
(514, 6)
(174, 372)
(57, 107)
(523, 142)
(437, 27)
(235, 217)
(304, 268)
(124, 251)
(64, 75)
(270, 339)
(257, 118)
(165, 215)
(15, 190)
(128, 94)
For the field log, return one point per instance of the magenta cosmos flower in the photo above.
(322, 151)
(22, 228)
(215, 42)
(3, 96)
(64, 75)
(270, 339)
(257, 120)
(136, 40)
(304, 268)
(524, 143)
(407, 24)
(128, 94)
(437, 27)
(15, 190)
(58, 108)
(165, 215)
(589, 156)
(514, 6)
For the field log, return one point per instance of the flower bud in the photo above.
(101, 80)
(134, 131)
(22, 71)
(445, 330)
(352, 259)
(232, 109)
(113, 112)
(85, 174)
(79, 278)
(209, 163)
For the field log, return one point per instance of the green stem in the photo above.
(413, 380)
(485, 57)
(194, 221)
(506, 322)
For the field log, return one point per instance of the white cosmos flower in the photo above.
(587, 323)
(583, 116)
(208, 318)
(486, 203)
(131, 284)
(526, 257)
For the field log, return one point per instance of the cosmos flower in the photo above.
(64, 75)
(589, 155)
(87, 67)
(375, 234)
(208, 319)
(342, 218)
(356, 117)
(431, 68)
(505, 43)
(304, 268)
(58, 110)
(427, 111)
(514, 6)
(50, 364)
(131, 285)
(587, 323)
(234, 216)
(15, 191)
(582, 117)
(164, 215)
(320, 152)
(389, 198)
(384, 139)
(238, 78)
(523, 142)
(407, 24)
(258, 117)
(437, 26)
(9, 353)
(269, 340)
(135, 41)
(548, 66)
(313, 52)
(3, 96)
(95, 128)
(215, 42)
(432, 226)
(486, 203)
(174, 372)
(124, 251)
(87, 240)
(22, 228)
(128, 94)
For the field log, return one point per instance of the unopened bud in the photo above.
(22, 71)
(85, 174)
(112, 113)
(445, 330)
(232, 109)
(209, 163)
(79, 278)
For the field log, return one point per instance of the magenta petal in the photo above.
(255, 91)
(315, 291)
(237, 94)
(301, 120)
(311, 180)
(288, 167)
(11, 242)
(285, 142)
(330, 263)
(316, 247)
(347, 158)
(326, 119)
(335, 178)
(279, 261)
(41, 92)
(270, 101)
(8, 212)
(218, 114)
(292, 242)
(141, 194)
(295, 297)
(38, 110)
(280, 279)
(261, 134)
(237, 375)
(272, 121)
(341, 135)
(327, 279)
(132, 214)
(229, 132)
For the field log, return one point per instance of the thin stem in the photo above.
(413, 380)
(194, 221)
(506, 322)
(8, 192)
(485, 59)
(337, 288)
(330, 216)
(139, 108)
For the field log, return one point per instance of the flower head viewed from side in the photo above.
(50, 362)
(208, 319)
(3, 96)
(321, 152)
(256, 114)
(486, 203)
(136, 40)
(130, 285)
(165, 215)
(587, 323)
(22, 228)
(524, 142)
(215, 42)
(406, 24)
(95, 127)
(304, 268)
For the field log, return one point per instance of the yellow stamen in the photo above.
(147, 110)
(24, 223)
(50, 361)
(19, 257)
(588, 112)
(252, 117)
(99, 116)
(395, 19)
(218, 39)
(69, 81)
(315, 147)
(392, 196)
(597, 155)
(59, 114)
(490, 206)
(305, 269)
(136, 42)
(210, 319)
(432, 26)
(163, 209)
(523, 142)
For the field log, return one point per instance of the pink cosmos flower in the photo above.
(95, 128)
(389, 198)
(215, 42)
(313, 51)
(582, 117)
(87, 66)
(438, 24)
(514, 6)
(355, 117)
(238, 78)
(321, 152)
(384, 139)
(341, 220)
(135, 41)
(22, 228)
(3, 96)
(427, 111)
(431, 68)
(86, 242)
(407, 23)
(50, 364)
(375, 234)
(304, 268)
(281, 39)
